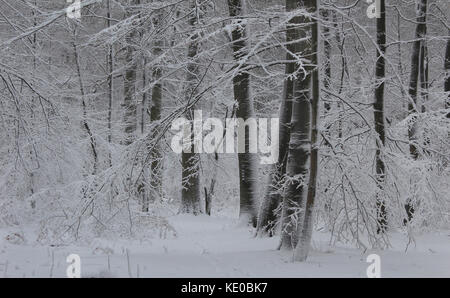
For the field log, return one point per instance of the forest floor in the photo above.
(218, 247)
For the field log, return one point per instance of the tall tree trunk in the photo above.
(300, 142)
(144, 108)
(327, 53)
(423, 78)
(305, 230)
(417, 72)
(154, 110)
(267, 216)
(245, 110)
(414, 75)
(110, 69)
(340, 39)
(85, 123)
(155, 116)
(34, 47)
(399, 53)
(209, 195)
(378, 109)
(447, 75)
(423, 74)
(130, 116)
(190, 194)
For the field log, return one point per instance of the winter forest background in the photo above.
(86, 108)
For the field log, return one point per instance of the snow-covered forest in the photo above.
(90, 93)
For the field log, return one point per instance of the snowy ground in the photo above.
(214, 247)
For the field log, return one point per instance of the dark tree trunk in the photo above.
(130, 116)
(110, 86)
(245, 110)
(267, 216)
(447, 75)
(300, 142)
(378, 108)
(85, 123)
(305, 230)
(327, 54)
(423, 74)
(209, 195)
(414, 75)
(418, 71)
(155, 116)
(190, 194)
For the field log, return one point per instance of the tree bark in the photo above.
(130, 116)
(327, 54)
(85, 123)
(305, 230)
(417, 72)
(155, 115)
(447, 75)
(245, 110)
(300, 142)
(414, 75)
(423, 74)
(190, 194)
(378, 109)
(267, 216)
(110, 86)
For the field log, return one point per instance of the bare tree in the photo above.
(85, 122)
(417, 72)
(305, 229)
(300, 139)
(378, 110)
(416, 57)
(267, 216)
(190, 194)
(110, 79)
(154, 111)
(130, 115)
(245, 110)
(447, 75)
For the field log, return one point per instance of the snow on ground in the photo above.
(217, 247)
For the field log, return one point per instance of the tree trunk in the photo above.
(144, 108)
(267, 217)
(300, 142)
(414, 75)
(110, 69)
(327, 59)
(447, 75)
(245, 110)
(417, 72)
(209, 195)
(190, 194)
(423, 74)
(130, 116)
(155, 115)
(378, 109)
(340, 39)
(305, 230)
(85, 123)
(399, 51)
